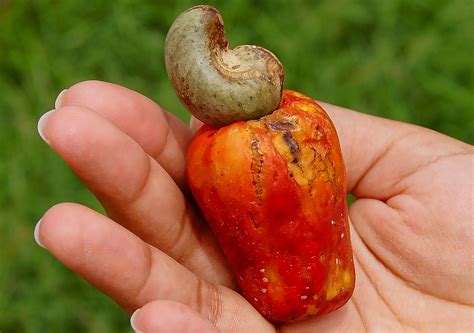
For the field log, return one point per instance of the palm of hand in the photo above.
(410, 232)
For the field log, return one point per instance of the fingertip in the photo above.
(59, 100)
(169, 316)
(55, 225)
(42, 124)
(133, 321)
(44, 119)
(36, 234)
(60, 126)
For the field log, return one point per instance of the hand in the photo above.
(411, 223)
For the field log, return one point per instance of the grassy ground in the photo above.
(408, 60)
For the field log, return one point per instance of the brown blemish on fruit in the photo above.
(257, 167)
(293, 145)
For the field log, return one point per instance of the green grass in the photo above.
(406, 60)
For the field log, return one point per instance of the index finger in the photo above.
(161, 134)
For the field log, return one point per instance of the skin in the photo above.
(411, 225)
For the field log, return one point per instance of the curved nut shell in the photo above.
(219, 86)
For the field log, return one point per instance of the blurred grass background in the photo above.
(402, 59)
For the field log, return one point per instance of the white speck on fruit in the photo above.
(264, 290)
(304, 297)
(333, 222)
(262, 270)
(342, 235)
(265, 279)
(337, 261)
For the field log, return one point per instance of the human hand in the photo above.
(411, 223)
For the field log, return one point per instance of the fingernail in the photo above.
(195, 124)
(36, 234)
(59, 100)
(42, 123)
(133, 318)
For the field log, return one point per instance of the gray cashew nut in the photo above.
(219, 85)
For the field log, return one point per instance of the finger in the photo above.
(161, 134)
(135, 190)
(109, 257)
(134, 273)
(169, 316)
